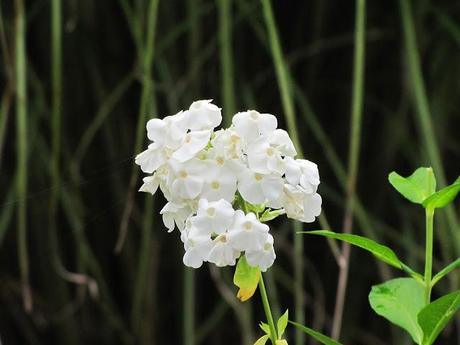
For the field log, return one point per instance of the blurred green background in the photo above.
(85, 259)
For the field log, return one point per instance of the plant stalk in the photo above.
(147, 62)
(282, 77)
(226, 59)
(353, 160)
(21, 131)
(429, 214)
(424, 116)
(268, 312)
(189, 306)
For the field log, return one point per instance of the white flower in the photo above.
(150, 185)
(301, 205)
(197, 247)
(193, 142)
(303, 172)
(168, 131)
(222, 252)
(175, 214)
(203, 115)
(263, 258)
(265, 153)
(152, 158)
(251, 124)
(213, 217)
(220, 181)
(158, 178)
(258, 188)
(246, 232)
(199, 170)
(263, 158)
(187, 179)
(226, 145)
(280, 139)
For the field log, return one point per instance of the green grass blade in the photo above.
(147, 62)
(226, 59)
(22, 148)
(323, 339)
(353, 159)
(423, 112)
(289, 113)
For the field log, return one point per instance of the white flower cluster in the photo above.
(212, 178)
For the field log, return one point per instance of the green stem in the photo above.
(353, 160)
(423, 111)
(21, 131)
(284, 84)
(281, 74)
(146, 94)
(226, 58)
(268, 312)
(189, 306)
(428, 253)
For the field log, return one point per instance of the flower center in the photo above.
(267, 247)
(254, 114)
(270, 151)
(183, 174)
(211, 211)
(234, 138)
(221, 238)
(258, 177)
(247, 226)
(220, 160)
(215, 185)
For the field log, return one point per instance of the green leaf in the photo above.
(417, 187)
(323, 339)
(435, 316)
(380, 251)
(256, 208)
(446, 270)
(262, 340)
(265, 327)
(269, 215)
(399, 301)
(246, 278)
(282, 323)
(444, 196)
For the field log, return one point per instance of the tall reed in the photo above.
(22, 151)
(353, 161)
(424, 116)
(289, 113)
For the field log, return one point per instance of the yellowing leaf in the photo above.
(262, 340)
(246, 278)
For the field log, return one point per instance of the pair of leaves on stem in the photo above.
(420, 188)
(247, 278)
(283, 320)
(280, 329)
(402, 301)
